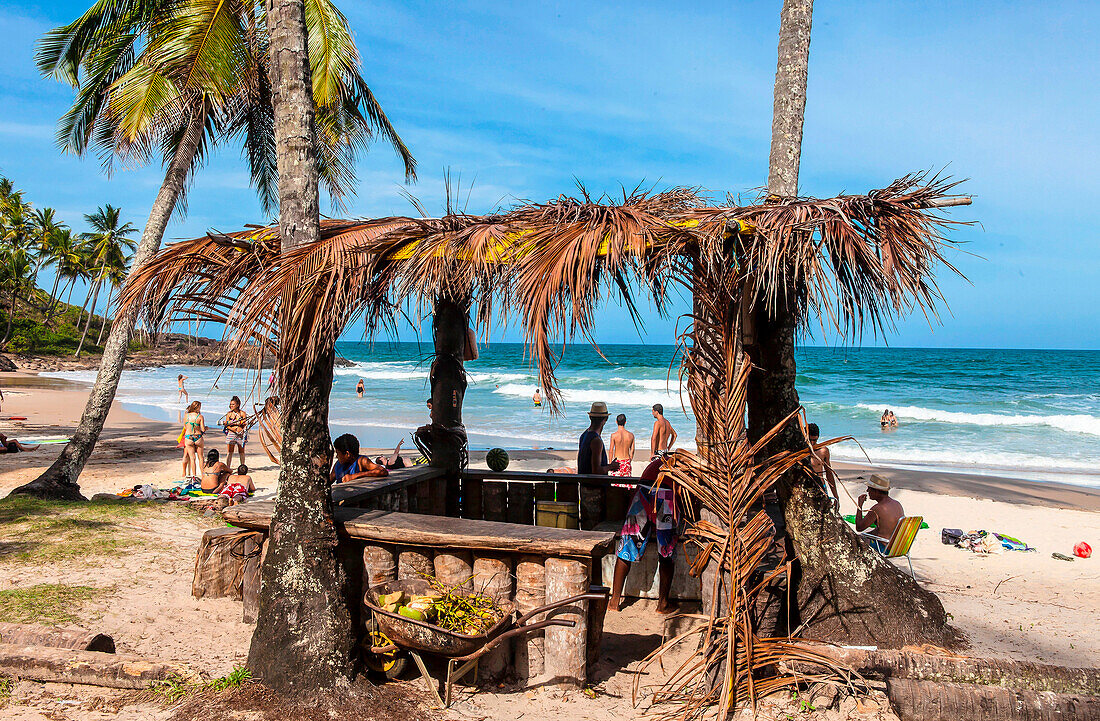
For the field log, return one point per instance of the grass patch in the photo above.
(33, 530)
(173, 689)
(7, 685)
(45, 603)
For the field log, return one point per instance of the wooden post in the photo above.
(437, 500)
(521, 503)
(414, 563)
(592, 504)
(379, 565)
(566, 659)
(218, 572)
(544, 491)
(530, 594)
(493, 578)
(496, 500)
(254, 551)
(422, 498)
(567, 490)
(472, 505)
(454, 567)
(597, 611)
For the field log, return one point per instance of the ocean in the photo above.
(1031, 414)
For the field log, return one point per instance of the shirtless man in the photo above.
(622, 448)
(237, 486)
(664, 435)
(536, 398)
(884, 515)
(822, 464)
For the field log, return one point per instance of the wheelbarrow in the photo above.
(392, 635)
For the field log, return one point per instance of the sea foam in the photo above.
(1079, 423)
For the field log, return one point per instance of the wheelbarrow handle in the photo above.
(558, 604)
(514, 632)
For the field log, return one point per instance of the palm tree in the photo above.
(68, 256)
(46, 227)
(182, 77)
(108, 244)
(50, 257)
(116, 276)
(15, 270)
(303, 638)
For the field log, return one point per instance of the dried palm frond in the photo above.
(732, 666)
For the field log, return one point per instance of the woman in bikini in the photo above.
(236, 432)
(194, 427)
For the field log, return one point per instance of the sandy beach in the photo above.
(1013, 604)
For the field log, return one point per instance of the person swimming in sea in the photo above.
(536, 398)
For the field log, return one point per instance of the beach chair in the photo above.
(900, 541)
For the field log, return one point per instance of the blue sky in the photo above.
(521, 99)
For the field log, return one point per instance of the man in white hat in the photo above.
(884, 515)
(591, 454)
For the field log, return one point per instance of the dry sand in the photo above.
(1014, 605)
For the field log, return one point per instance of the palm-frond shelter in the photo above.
(854, 261)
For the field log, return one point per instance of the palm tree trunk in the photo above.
(844, 589)
(60, 479)
(53, 298)
(106, 310)
(11, 316)
(303, 639)
(91, 313)
(87, 297)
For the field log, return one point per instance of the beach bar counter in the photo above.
(400, 527)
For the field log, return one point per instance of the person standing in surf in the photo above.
(536, 398)
(182, 390)
(359, 388)
(664, 435)
(622, 448)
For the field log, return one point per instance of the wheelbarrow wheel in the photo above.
(390, 664)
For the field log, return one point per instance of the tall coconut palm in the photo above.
(46, 230)
(303, 639)
(68, 258)
(115, 277)
(108, 243)
(180, 78)
(843, 587)
(15, 270)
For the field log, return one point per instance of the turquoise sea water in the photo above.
(1023, 413)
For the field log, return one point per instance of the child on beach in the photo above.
(236, 432)
(194, 428)
(238, 486)
(349, 465)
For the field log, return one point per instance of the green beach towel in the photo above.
(852, 520)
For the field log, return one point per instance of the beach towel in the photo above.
(852, 519)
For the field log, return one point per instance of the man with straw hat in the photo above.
(884, 515)
(591, 454)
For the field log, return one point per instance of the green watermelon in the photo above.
(497, 459)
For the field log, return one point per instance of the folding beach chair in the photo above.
(900, 541)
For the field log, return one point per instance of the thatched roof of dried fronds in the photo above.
(857, 260)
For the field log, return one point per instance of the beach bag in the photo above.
(1082, 550)
(951, 536)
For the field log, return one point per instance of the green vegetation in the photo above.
(7, 685)
(45, 603)
(33, 530)
(33, 320)
(174, 688)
